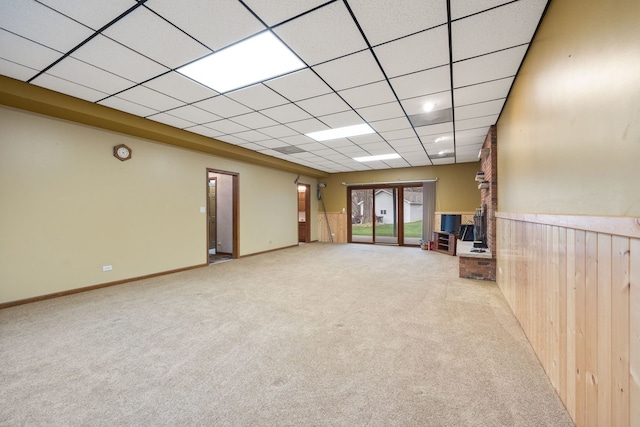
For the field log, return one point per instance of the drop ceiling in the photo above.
(365, 61)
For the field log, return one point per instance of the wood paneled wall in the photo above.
(574, 285)
(338, 225)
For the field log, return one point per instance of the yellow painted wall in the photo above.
(68, 207)
(456, 190)
(569, 136)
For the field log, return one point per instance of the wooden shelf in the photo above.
(444, 242)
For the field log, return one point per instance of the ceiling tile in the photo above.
(461, 8)
(180, 87)
(194, 114)
(155, 38)
(446, 161)
(299, 85)
(203, 20)
(367, 139)
(17, 71)
(231, 139)
(476, 122)
(170, 120)
(205, 131)
(496, 29)
(391, 124)
(286, 113)
(127, 106)
(389, 110)
(254, 120)
(440, 100)
(422, 83)
(271, 143)
(65, 86)
(422, 51)
(464, 142)
(226, 126)
(442, 137)
(324, 104)
(257, 97)
(25, 52)
(439, 129)
(339, 72)
(87, 75)
(488, 67)
(482, 92)
(309, 38)
(40, 24)
(276, 12)
(297, 140)
(406, 142)
(278, 131)
(92, 13)
(480, 109)
(368, 95)
(397, 134)
(252, 136)
(472, 133)
(150, 98)
(404, 18)
(222, 106)
(111, 56)
(308, 125)
(345, 118)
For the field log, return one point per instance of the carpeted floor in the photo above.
(317, 335)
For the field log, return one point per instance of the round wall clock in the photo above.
(122, 152)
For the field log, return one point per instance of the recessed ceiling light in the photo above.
(253, 60)
(378, 157)
(344, 132)
(428, 106)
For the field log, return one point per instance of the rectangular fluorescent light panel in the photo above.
(253, 60)
(378, 157)
(345, 132)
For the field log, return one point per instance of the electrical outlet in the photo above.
(107, 268)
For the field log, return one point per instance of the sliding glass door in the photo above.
(386, 214)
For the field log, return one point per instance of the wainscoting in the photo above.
(573, 283)
(337, 224)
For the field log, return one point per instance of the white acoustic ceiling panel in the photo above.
(310, 38)
(275, 12)
(68, 87)
(418, 52)
(493, 66)
(93, 13)
(203, 20)
(299, 85)
(25, 52)
(222, 106)
(194, 114)
(400, 19)
(150, 35)
(257, 97)
(501, 28)
(482, 92)
(180, 87)
(111, 56)
(368, 95)
(87, 75)
(40, 24)
(150, 98)
(324, 104)
(339, 73)
(422, 83)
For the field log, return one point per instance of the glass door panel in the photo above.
(412, 215)
(362, 215)
(386, 215)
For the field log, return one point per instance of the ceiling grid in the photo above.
(428, 76)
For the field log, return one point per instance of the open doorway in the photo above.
(304, 213)
(222, 216)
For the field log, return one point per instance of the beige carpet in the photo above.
(317, 335)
